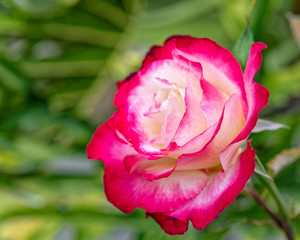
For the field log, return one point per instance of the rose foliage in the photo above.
(173, 147)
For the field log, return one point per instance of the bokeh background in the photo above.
(59, 61)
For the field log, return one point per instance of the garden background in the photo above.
(59, 61)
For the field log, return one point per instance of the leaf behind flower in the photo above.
(264, 125)
(283, 160)
(242, 46)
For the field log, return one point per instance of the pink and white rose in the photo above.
(173, 147)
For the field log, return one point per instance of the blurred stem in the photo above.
(261, 202)
(270, 185)
(285, 223)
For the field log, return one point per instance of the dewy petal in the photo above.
(220, 192)
(257, 94)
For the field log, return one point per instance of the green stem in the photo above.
(270, 185)
(250, 190)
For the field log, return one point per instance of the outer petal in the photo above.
(220, 192)
(219, 65)
(128, 191)
(169, 224)
(159, 52)
(257, 95)
(104, 145)
(121, 83)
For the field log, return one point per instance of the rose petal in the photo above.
(175, 112)
(159, 53)
(220, 67)
(193, 122)
(155, 171)
(231, 124)
(257, 95)
(128, 191)
(170, 225)
(198, 142)
(150, 169)
(229, 154)
(213, 102)
(136, 98)
(103, 140)
(220, 192)
(121, 83)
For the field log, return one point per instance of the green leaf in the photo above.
(11, 79)
(260, 170)
(107, 11)
(242, 46)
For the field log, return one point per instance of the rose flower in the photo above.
(173, 147)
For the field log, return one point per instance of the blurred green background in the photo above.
(59, 61)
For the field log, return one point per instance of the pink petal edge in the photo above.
(219, 193)
(257, 94)
(129, 191)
